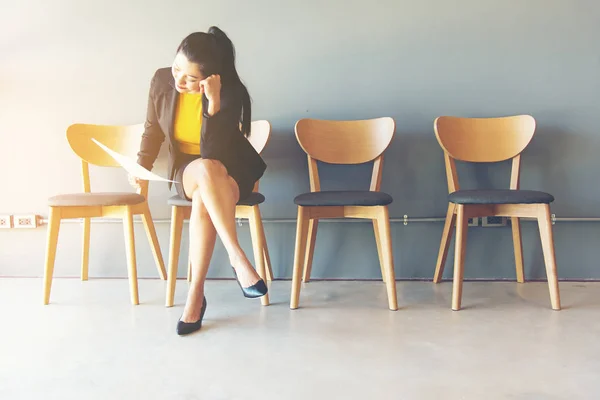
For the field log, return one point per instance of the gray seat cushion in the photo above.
(343, 198)
(96, 199)
(500, 196)
(254, 199)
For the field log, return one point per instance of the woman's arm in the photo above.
(153, 136)
(225, 115)
(221, 119)
(224, 103)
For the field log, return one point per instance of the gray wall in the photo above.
(69, 61)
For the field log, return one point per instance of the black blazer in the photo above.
(221, 138)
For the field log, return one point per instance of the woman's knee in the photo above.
(209, 169)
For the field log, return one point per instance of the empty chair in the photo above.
(86, 205)
(487, 140)
(343, 142)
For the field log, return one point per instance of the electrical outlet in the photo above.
(26, 221)
(493, 221)
(5, 221)
(473, 221)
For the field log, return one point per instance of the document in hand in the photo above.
(131, 166)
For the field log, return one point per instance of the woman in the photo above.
(202, 109)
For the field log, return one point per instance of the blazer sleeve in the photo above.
(153, 136)
(218, 128)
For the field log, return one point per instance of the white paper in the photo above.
(132, 166)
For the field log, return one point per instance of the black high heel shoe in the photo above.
(185, 328)
(259, 289)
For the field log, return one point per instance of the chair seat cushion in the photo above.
(500, 196)
(96, 199)
(254, 199)
(343, 198)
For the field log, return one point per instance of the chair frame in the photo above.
(520, 130)
(125, 140)
(259, 137)
(320, 141)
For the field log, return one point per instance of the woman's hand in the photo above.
(134, 181)
(211, 87)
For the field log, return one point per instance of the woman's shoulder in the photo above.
(162, 80)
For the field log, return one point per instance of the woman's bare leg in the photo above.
(220, 194)
(202, 243)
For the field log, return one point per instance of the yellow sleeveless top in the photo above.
(188, 123)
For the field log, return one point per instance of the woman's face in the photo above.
(187, 75)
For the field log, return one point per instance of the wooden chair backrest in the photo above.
(345, 142)
(122, 139)
(260, 133)
(483, 140)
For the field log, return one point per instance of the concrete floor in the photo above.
(507, 343)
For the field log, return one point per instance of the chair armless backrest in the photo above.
(345, 142)
(122, 139)
(260, 133)
(482, 140)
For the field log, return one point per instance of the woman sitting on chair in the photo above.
(203, 110)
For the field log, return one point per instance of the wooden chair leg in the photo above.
(174, 249)
(130, 249)
(258, 246)
(518, 244)
(299, 254)
(462, 223)
(154, 245)
(313, 224)
(383, 223)
(51, 243)
(266, 252)
(85, 255)
(379, 250)
(545, 226)
(445, 244)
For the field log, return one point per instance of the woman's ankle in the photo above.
(196, 287)
(238, 259)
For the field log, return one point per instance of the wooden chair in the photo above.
(343, 142)
(491, 140)
(248, 208)
(86, 205)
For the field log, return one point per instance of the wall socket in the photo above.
(5, 221)
(493, 221)
(25, 221)
(473, 222)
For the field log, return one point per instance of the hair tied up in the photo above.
(217, 34)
